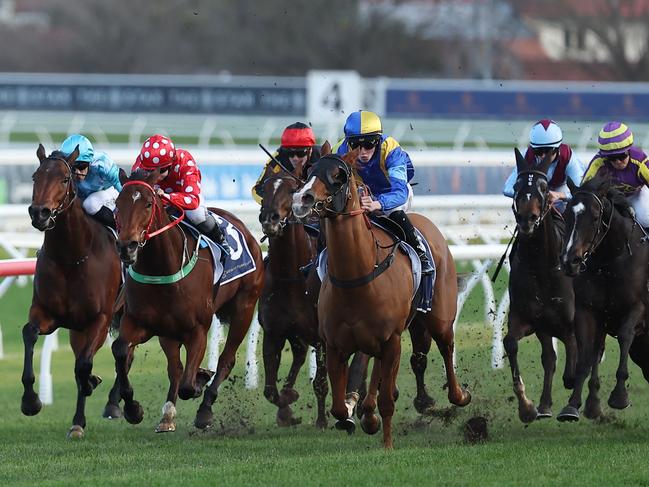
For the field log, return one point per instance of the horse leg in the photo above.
(123, 348)
(443, 335)
(195, 347)
(85, 345)
(239, 326)
(391, 354)
(341, 409)
(112, 409)
(320, 386)
(516, 330)
(570, 344)
(272, 350)
(30, 404)
(585, 334)
(171, 349)
(549, 361)
(619, 398)
(370, 422)
(288, 394)
(592, 408)
(639, 353)
(421, 341)
(357, 375)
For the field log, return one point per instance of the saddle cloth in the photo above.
(427, 283)
(238, 263)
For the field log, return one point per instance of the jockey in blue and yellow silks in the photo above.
(97, 179)
(386, 169)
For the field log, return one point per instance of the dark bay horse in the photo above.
(608, 254)
(541, 294)
(370, 317)
(179, 312)
(287, 310)
(76, 281)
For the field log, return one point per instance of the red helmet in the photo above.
(157, 151)
(298, 135)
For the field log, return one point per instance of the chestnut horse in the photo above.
(372, 310)
(76, 281)
(541, 294)
(179, 313)
(287, 310)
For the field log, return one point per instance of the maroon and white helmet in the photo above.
(546, 133)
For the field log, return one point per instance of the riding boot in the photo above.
(210, 229)
(412, 239)
(106, 217)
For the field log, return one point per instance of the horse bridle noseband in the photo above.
(545, 202)
(338, 197)
(62, 206)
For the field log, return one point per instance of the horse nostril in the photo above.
(132, 246)
(307, 199)
(274, 218)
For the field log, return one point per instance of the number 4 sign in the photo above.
(332, 95)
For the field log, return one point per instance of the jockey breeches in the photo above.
(405, 207)
(106, 197)
(640, 203)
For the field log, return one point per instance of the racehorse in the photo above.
(287, 310)
(608, 254)
(76, 281)
(360, 309)
(541, 294)
(179, 311)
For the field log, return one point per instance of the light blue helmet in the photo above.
(86, 152)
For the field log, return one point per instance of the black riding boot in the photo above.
(105, 216)
(211, 229)
(412, 239)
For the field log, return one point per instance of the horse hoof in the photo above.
(112, 411)
(347, 425)
(592, 411)
(75, 433)
(424, 405)
(288, 396)
(528, 415)
(463, 400)
(165, 427)
(619, 401)
(203, 376)
(285, 417)
(568, 413)
(271, 394)
(321, 424)
(370, 424)
(204, 418)
(31, 405)
(134, 413)
(544, 412)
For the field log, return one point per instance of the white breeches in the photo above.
(199, 215)
(406, 206)
(640, 203)
(106, 197)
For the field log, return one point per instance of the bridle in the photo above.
(335, 203)
(290, 218)
(157, 210)
(602, 227)
(545, 203)
(69, 190)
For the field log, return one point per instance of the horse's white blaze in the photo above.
(578, 209)
(297, 197)
(276, 185)
(136, 196)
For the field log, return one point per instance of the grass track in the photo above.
(246, 448)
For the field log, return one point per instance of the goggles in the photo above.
(617, 157)
(365, 143)
(296, 152)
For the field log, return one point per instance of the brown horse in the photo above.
(180, 312)
(76, 281)
(373, 308)
(287, 310)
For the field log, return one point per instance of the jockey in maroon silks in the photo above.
(181, 183)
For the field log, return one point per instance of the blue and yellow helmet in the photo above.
(86, 152)
(363, 124)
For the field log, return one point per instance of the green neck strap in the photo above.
(183, 272)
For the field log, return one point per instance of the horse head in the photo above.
(137, 206)
(329, 187)
(531, 193)
(275, 212)
(587, 222)
(53, 187)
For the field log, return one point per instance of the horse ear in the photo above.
(40, 153)
(325, 149)
(571, 185)
(123, 178)
(73, 157)
(521, 163)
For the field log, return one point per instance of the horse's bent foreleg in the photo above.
(320, 386)
(549, 361)
(370, 422)
(391, 354)
(288, 394)
(515, 331)
(445, 343)
(272, 352)
(421, 341)
(357, 376)
(38, 323)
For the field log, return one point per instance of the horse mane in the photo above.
(57, 154)
(603, 186)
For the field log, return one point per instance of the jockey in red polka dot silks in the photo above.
(181, 183)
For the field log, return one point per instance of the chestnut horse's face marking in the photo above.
(276, 204)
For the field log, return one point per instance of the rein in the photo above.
(594, 243)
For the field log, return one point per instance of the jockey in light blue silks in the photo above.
(386, 169)
(97, 179)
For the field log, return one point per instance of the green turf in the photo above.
(245, 447)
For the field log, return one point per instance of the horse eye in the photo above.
(149, 204)
(66, 180)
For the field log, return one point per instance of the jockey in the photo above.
(545, 136)
(297, 149)
(97, 179)
(181, 183)
(385, 168)
(626, 165)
